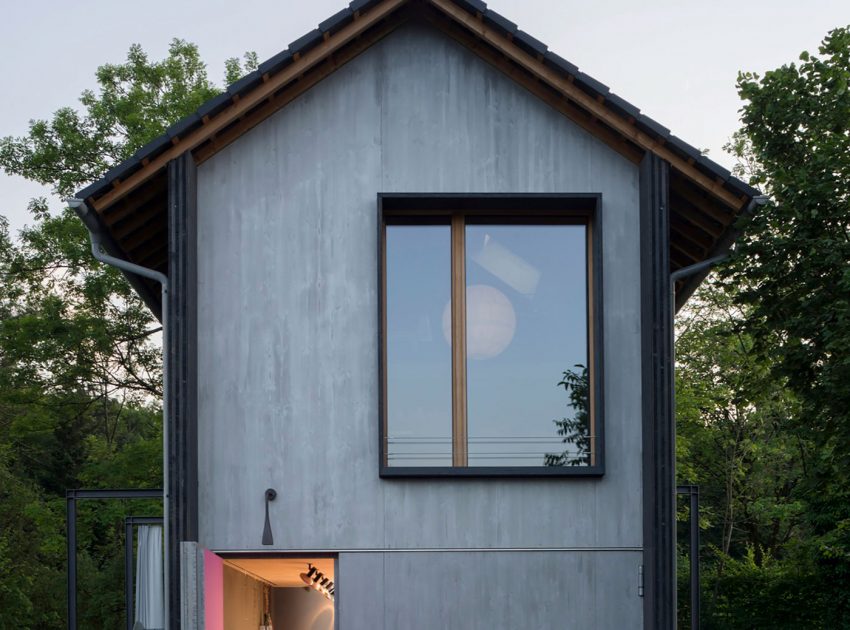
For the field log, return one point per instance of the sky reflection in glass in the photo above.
(419, 368)
(526, 326)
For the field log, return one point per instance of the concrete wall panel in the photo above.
(489, 590)
(288, 387)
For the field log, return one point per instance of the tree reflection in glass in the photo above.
(575, 431)
(526, 319)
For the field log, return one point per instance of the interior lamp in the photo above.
(310, 576)
(318, 581)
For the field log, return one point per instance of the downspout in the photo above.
(91, 222)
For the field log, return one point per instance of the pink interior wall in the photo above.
(213, 591)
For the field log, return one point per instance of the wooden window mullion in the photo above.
(458, 316)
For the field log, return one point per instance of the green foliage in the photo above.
(80, 365)
(763, 374)
(736, 439)
(794, 267)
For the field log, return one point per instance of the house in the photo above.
(418, 331)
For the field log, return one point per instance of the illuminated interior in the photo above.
(269, 593)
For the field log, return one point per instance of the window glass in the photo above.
(526, 328)
(418, 362)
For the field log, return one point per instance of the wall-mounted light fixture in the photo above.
(268, 539)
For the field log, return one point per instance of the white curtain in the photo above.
(150, 611)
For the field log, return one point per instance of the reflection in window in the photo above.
(515, 390)
(418, 359)
(526, 326)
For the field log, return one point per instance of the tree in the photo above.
(790, 279)
(80, 368)
(736, 440)
(793, 271)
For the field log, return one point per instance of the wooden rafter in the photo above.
(685, 242)
(693, 214)
(129, 204)
(139, 237)
(156, 258)
(706, 205)
(137, 220)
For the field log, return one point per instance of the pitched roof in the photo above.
(130, 199)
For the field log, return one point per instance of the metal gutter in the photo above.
(90, 220)
(700, 270)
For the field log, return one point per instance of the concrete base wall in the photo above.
(191, 586)
(507, 590)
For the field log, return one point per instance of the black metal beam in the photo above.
(71, 540)
(182, 456)
(71, 497)
(659, 431)
(693, 517)
(146, 493)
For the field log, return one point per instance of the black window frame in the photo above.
(416, 209)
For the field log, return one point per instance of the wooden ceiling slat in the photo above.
(678, 260)
(693, 234)
(153, 228)
(695, 216)
(685, 242)
(141, 217)
(153, 257)
(129, 204)
(690, 255)
(706, 205)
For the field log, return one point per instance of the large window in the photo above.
(490, 341)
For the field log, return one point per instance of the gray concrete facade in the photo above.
(489, 590)
(287, 350)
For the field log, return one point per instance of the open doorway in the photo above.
(267, 592)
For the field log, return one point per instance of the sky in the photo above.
(675, 60)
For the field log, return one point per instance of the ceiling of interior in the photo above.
(281, 571)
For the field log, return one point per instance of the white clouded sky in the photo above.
(677, 60)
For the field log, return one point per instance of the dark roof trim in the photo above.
(343, 17)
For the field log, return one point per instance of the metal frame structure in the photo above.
(130, 523)
(71, 498)
(659, 428)
(692, 492)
